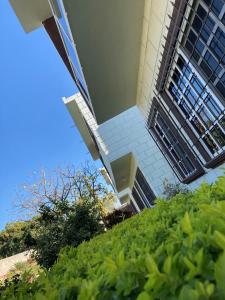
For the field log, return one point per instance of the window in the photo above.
(142, 192)
(203, 111)
(172, 145)
(205, 42)
(191, 78)
(69, 46)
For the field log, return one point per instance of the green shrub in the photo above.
(173, 251)
(115, 217)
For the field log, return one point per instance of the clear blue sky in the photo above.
(35, 128)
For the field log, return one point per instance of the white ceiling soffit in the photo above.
(31, 13)
(108, 37)
(81, 126)
(122, 169)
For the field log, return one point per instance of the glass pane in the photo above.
(218, 45)
(190, 167)
(192, 37)
(185, 108)
(181, 63)
(222, 122)
(218, 135)
(179, 150)
(189, 46)
(206, 117)
(191, 96)
(174, 92)
(207, 29)
(198, 126)
(201, 12)
(213, 106)
(216, 5)
(210, 65)
(210, 144)
(197, 24)
(198, 86)
(223, 19)
(221, 85)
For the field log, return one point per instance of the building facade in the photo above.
(151, 80)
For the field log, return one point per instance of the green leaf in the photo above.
(210, 289)
(144, 296)
(186, 224)
(192, 269)
(220, 273)
(219, 239)
(167, 265)
(187, 293)
(151, 264)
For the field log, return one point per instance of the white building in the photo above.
(152, 98)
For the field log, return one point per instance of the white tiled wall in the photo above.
(126, 133)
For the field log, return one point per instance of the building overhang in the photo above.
(80, 123)
(108, 38)
(122, 169)
(31, 13)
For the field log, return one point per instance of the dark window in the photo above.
(172, 144)
(145, 187)
(138, 199)
(142, 191)
(215, 5)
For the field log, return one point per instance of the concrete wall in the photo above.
(8, 263)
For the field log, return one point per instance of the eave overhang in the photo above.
(108, 38)
(122, 169)
(31, 13)
(81, 125)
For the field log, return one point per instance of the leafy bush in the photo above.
(174, 251)
(68, 226)
(172, 189)
(116, 217)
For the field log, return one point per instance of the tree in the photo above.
(16, 237)
(69, 206)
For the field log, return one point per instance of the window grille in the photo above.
(142, 191)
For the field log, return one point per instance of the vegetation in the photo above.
(115, 217)
(16, 237)
(172, 189)
(22, 273)
(67, 208)
(174, 251)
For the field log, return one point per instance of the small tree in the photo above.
(69, 208)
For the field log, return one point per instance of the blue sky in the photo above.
(36, 130)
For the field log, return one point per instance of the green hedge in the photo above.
(173, 251)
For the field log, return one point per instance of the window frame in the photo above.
(199, 171)
(175, 35)
(140, 186)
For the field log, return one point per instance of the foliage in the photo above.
(116, 217)
(172, 189)
(24, 273)
(70, 210)
(16, 237)
(67, 208)
(65, 224)
(174, 251)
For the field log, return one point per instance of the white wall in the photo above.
(126, 133)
